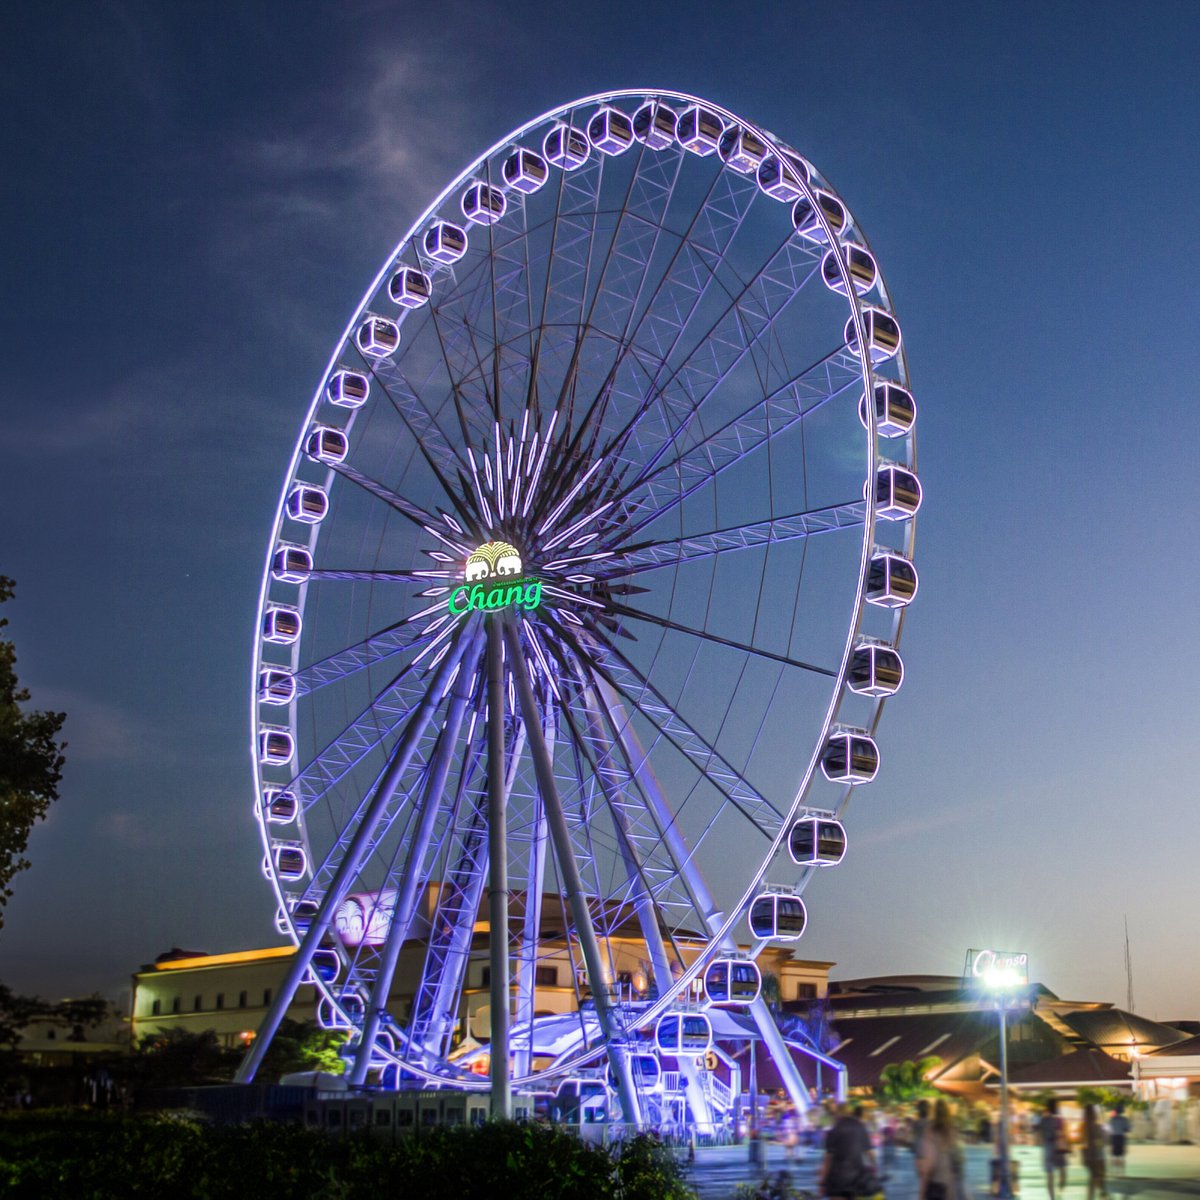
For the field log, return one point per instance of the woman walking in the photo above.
(940, 1158)
(1093, 1153)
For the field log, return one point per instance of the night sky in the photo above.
(195, 197)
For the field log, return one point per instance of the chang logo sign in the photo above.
(494, 581)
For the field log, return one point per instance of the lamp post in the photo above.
(1003, 1181)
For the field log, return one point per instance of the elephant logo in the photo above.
(493, 559)
(493, 581)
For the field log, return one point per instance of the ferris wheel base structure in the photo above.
(582, 602)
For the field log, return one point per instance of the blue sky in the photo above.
(194, 199)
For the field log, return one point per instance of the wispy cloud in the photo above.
(99, 731)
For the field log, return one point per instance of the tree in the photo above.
(31, 762)
(303, 1046)
(902, 1082)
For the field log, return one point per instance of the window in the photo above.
(428, 1116)
(198, 1004)
(50, 1032)
(383, 1116)
(806, 991)
(485, 977)
(243, 998)
(545, 976)
(156, 1007)
(404, 1116)
(333, 1118)
(266, 997)
(177, 1004)
(220, 1000)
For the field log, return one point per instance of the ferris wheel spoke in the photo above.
(414, 512)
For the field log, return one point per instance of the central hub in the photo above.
(494, 579)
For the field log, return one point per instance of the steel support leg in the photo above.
(501, 1105)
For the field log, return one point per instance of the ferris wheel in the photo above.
(583, 596)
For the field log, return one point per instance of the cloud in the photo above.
(98, 731)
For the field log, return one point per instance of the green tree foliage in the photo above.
(31, 762)
(16, 1012)
(303, 1046)
(903, 1082)
(177, 1058)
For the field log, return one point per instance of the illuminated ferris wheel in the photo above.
(581, 604)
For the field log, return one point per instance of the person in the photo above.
(940, 1158)
(916, 1129)
(791, 1136)
(1118, 1132)
(1093, 1153)
(849, 1161)
(1052, 1134)
(889, 1138)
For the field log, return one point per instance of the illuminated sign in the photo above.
(494, 581)
(998, 968)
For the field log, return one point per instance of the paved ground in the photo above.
(1152, 1173)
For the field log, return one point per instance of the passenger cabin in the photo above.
(525, 171)
(682, 1035)
(566, 147)
(580, 1102)
(779, 176)
(779, 917)
(807, 223)
(875, 670)
(291, 863)
(897, 492)
(699, 130)
(860, 266)
(303, 914)
(483, 204)
(610, 131)
(850, 756)
(326, 444)
(742, 149)
(646, 1070)
(281, 625)
(895, 409)
(346, 1014)
(730, 981)
(307, 504)
(377, 337)
(445, 243)
(275, 747)
(883, 334)
(291, 564)
(410, 288)
(276, 687)
(654, 123)
(324, 965)
(817, 840)
(279, 806)
(891, 580)
(348, 389)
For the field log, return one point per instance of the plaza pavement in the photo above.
(1153, 1172)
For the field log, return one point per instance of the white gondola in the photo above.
(875, 670)
(610, 131)
(699, 130)
(525, 171)
(445, 243)
(281, 625)
(483, 204)
(860, 265)
(348, 389)
(346, 1014)
(742, 149)
(779, 176)
(646, 1070)
(683, 1034)
(410, 288)
(377, 337)
(850, 756)
(891, 580)
(276, 687)
(779, 917)
(291, 564)
(729, 981)
(897, 492)
(324, 965)
(291, 861)
(304, 912)
(276, 748)
(566, 147)
(279, 806)
(326, 444)
(807, 223)
(654, 123)
(883, 334)
(817, 840)
(895, 409)
(307, 504)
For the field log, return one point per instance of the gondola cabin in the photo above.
(779, 177)
(897, 492)
(646, 1070)
(281, 625)
(883, 334)
(817, 840)
(807, 223)
(483, 204)
(377, 337)
(778, 917)
(682, 1035)
(699, 130)
(291, 863)
(525, 171)
(307, 504)
(304, 912)
(410, 288)
(324, 965)
(610, 131)
(860, 266)
(346, 1014)
(566, 147)
(742, 149)
(730, 981)
(580, 1101)
(348, 389)
(276, 687)
(279, 806)
(275, 747)
(291, 564)
(445, 243)
(891, 580)
(326, 444)
(850, 756)
(895, 409)
(875, 670)
(654, 123)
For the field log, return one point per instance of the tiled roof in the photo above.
(1179, 1049)
(1078, 1067)
(1114, 1026)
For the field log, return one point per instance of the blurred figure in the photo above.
(849, 1161)
(1093, 1153)
(940, 1158)
(889, 1138)
(1052, 1134)
(916, 1129)
(1118, 1133)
